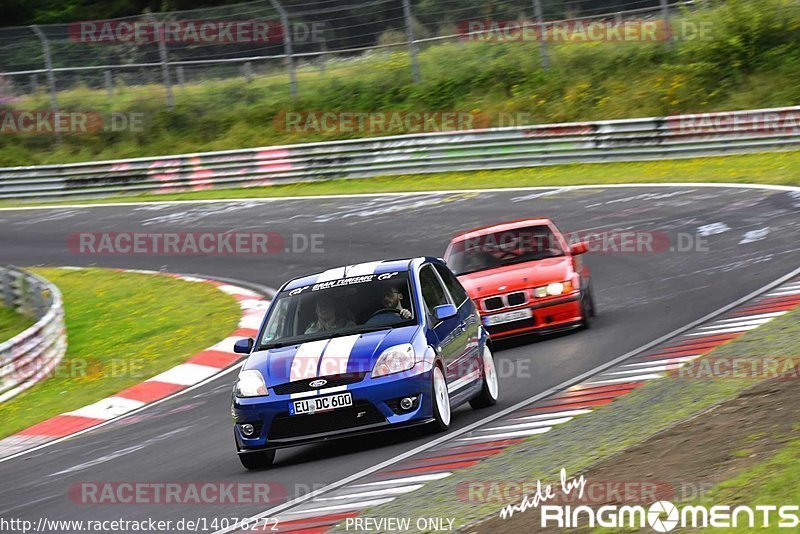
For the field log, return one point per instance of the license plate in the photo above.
(508, 317)
(321, 404)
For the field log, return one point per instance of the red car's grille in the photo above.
(493, 303)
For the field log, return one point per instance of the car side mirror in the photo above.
(445, 311)
(243, 346)
(580, 247)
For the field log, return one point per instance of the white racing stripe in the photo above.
(362, 268)
(306, 360)
(463, 381)
(337, 355)
(331, 274)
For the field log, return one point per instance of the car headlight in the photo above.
(251, 384)
(394, 360)
(553, 290)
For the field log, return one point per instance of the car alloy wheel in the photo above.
(441, 400)
(491, 387)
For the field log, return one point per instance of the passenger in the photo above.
(327, 317)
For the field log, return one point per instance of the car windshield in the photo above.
(503, 248)
(339, 307)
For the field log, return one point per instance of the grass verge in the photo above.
(12, 323)
(775, 168)
(576, 446)
(122, 328)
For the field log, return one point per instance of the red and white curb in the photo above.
(319, 514)
(196, 369)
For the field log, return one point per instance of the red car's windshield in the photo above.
(503, 248)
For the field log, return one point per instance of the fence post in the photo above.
(8, 293)
(412, 44)
(247, 70)
(162, 53)
(665, 16)
(287, 46)
(179, 75)
(51, 79)
(109, 83)
(537, 11)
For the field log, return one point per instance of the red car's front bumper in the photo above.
(554, 314)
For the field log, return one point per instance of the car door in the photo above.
(451, 338)
(469, 320)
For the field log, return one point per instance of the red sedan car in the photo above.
(524, 277)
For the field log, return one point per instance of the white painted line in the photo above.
(668, 361)
(107, 408)
(374, 493)
(749, 322)
(226, 345)
(531, 424)
(236, 290)
(254, 304)
(748, 317)
(580, 379)
(551, 415)
(506, 435)
(628, 379)
(653, 369)
(251, 321)
(186, 374)
(405, 480)
(341, 507)
(784, 293)
(725, 330)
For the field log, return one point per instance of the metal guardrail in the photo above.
(678, 136)
(33, 354)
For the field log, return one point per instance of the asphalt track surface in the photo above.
(640, 296)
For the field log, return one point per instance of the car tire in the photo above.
(588, 309)
(257, 460)
(491, 388)
(441, 400)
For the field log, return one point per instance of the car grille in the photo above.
(516, 325)
(517, 299)
(285, 426)
(493, 303)
(301, 386)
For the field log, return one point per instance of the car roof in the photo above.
(500, 227)
(360, 269)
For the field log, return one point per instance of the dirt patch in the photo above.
(681, 463)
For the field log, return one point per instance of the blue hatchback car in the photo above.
(360, 349)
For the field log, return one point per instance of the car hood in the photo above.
(515, 277)
(327, 357)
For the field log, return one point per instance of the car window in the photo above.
(455, 288)
(432, 291)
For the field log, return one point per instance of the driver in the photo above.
(327, 319)
(393, 299)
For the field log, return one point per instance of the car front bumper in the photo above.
(372, 411)
(552, 315)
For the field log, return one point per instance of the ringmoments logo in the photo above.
(660, 516)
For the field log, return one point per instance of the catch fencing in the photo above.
(678, 136)
(33, 354)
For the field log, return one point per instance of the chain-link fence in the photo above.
(294, 42)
